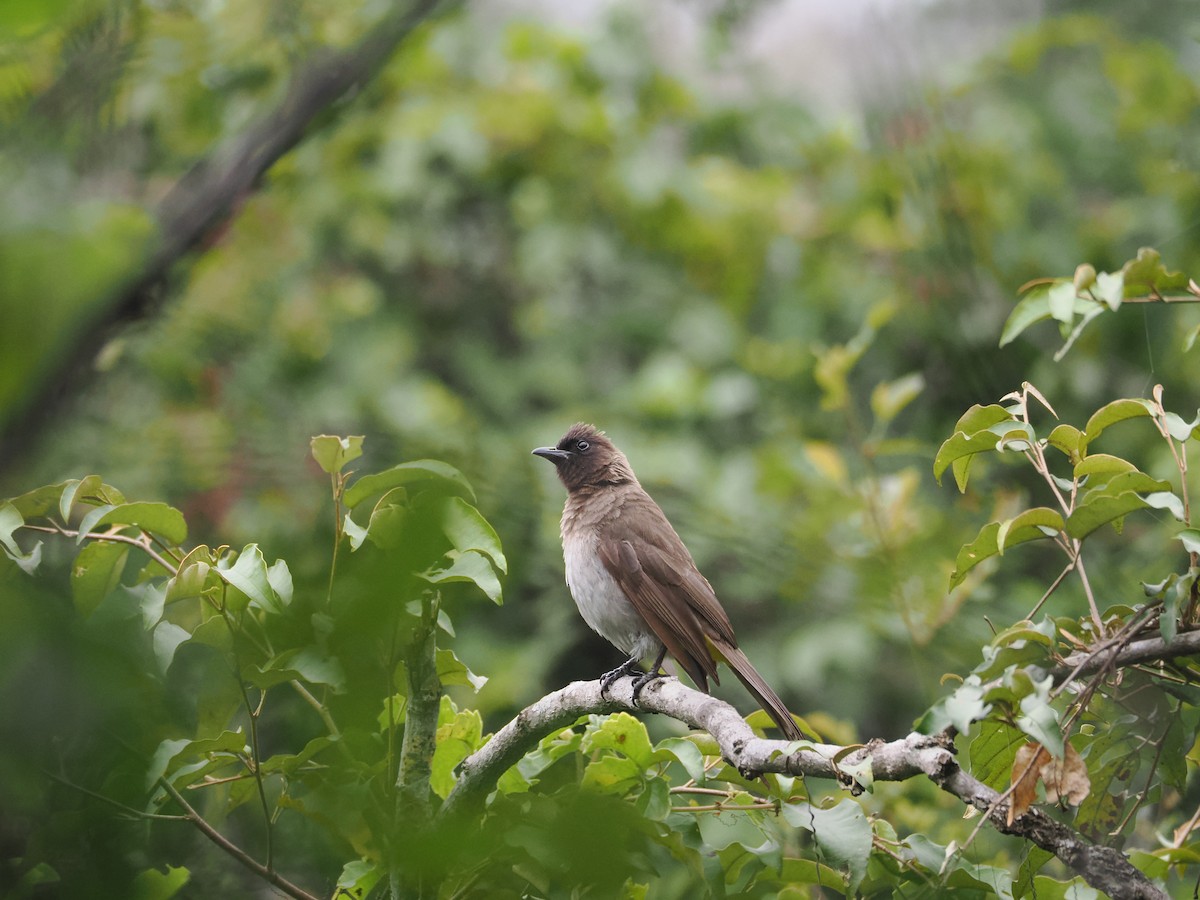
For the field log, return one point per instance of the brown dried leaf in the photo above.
(1066, 778)
(1026, 770)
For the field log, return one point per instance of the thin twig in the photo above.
(233, 849)
(142, 544)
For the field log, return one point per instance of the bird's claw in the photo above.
(644, 679)
(626, 668)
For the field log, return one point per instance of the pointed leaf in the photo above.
(89, 520)
(249, 575)
(468, 530)
(1114, 412)
(971, 436)
(469, 567)
(96, 573)
(1068, 439)
(1034, 307)
(1146, 274)
(10, 520)
(166, 640)
(417, 472)
(38, 502)
(1109, 289)
(333, 452)
(1116, 499)
(157, 518)
(1061, 300)
(843, 834)
(1031, 525)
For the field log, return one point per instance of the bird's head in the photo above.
(585, 457)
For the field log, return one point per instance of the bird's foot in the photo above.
(626, 668)
(644, 679)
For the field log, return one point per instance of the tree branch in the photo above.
(209, 193)
(1146, 650)
(1104, 868)
(264, 872)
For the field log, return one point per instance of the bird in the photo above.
(633, 579)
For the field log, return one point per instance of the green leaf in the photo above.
(1178, 427)
(1091, 311)
(424, 472)
(686, 753)
(96, 573)
(1034, 307)
(156, 518)
(456, 740)
(1146, 274)
(1068, 439)
(82, 488)
(309, 664)
(1114, 412)
(468, 530)
(290, 763)
(166, 640)
(10, 520)
(960, 709)
(1100, 468)
(173, 753)
(992, 753)
(471, 567)
(357, 880)
(1061, 301)
(623, 733)
(279, 576)
(1117, 498)
(890, 397)
(1191, 539)
(155, 885)
(842, 833)
(1035, 859)
(796, 870)
(354, 531)
(1175, 596)
(1039, 720)
(452, 670)
(612, 774)
(1109, 289)
(38, 502)
(971, 436)
(332, 452)
(1189, 340)
(249, 575)
(1168, 500)
(1034, 524)
(1031, 525)
(89, 520)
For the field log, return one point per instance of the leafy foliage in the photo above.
(513, 228)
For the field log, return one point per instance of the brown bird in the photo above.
(634, 581)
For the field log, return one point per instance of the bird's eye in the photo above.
(581, 445)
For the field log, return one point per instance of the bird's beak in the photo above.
(552, 453)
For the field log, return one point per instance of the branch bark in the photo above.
(210, 192)
(1104, 868)
(1134, 653)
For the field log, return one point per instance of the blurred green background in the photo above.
(775, 283)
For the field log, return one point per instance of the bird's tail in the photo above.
(762, 692)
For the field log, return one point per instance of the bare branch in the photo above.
(931, 756)
(1135, 652)
(264, 872)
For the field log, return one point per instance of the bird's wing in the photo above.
(663, 555)
(673, 622)
(643, 553)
